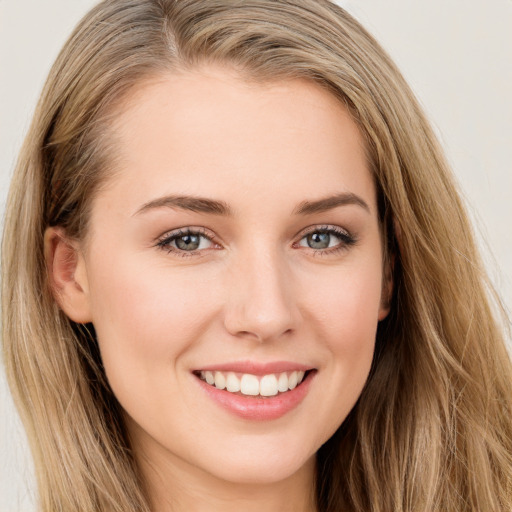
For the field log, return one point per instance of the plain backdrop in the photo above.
(457, 55)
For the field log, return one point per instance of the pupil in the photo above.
(188, 242)
(319, 240)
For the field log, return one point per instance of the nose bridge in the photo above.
(260, 303)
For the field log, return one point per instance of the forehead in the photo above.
(200, 132)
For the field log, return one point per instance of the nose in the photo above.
(260, 303)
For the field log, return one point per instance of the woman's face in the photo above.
(237, 243)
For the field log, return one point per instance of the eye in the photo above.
(327, 239)
(185, 241)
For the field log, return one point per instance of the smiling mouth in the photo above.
(247, 384)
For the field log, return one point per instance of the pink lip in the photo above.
(257, 368)
(255, 408)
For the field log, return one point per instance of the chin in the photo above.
(262, 467)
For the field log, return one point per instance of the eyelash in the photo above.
(165, 241)
(346, 240)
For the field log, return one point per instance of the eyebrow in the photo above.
(215, 207)
(329, 203)
(191, 203)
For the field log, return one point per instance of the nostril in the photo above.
(261, 309)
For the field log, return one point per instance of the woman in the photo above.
(250, 281)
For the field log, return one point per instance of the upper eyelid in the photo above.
(323, 227)
(176, 233)
(206, 232)
(163, 242)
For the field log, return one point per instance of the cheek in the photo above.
(354, 323)
(145, 318)
(348, 306)
(347, 323)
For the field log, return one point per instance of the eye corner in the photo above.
(346, 240)
(196, 248)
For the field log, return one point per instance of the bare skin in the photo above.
(278, 263)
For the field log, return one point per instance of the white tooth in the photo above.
(202, 375)
(292, 380)
(209, 377)
(268, 385)
(232, 382)
(249, 385)
(300, 376)
(282, 383)
(220, 380)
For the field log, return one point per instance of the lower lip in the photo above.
(256, 408)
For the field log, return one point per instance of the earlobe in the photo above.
(388, 278)
(385, 302)
(67, 275)
(387, 289)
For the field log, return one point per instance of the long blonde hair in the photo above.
(432, 429)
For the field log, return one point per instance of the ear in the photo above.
(388, 274)
(67, 274)
(387, 288)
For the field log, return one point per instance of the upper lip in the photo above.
(255, 368)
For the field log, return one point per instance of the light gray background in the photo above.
(456, 54)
